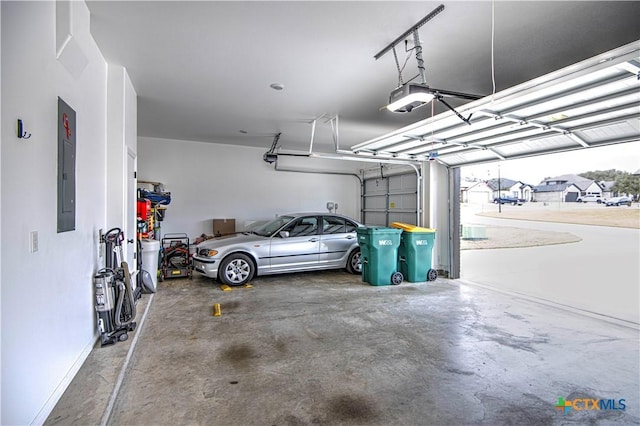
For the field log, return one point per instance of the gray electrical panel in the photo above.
(66, 167)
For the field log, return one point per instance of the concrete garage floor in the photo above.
(325, 348)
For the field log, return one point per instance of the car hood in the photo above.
(228, 240)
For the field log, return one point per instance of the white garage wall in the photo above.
(208, 181)
(48, 317)
(1, 221)
(122, 142)
(437, 207)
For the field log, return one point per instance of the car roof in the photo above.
(313, 214)
(319, 214)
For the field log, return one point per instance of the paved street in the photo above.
(600, 274)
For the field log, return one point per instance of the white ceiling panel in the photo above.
(535, 145)
(613, 131)
(605, 118)
(578, 109)
(469, 156)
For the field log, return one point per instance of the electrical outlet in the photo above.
(33, 241)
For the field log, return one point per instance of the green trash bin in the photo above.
(415, 252)
(379, 254)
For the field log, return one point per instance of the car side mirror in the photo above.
(284, 234)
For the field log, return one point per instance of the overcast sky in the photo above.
(532, 170)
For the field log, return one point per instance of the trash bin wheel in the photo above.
(397, 278)
(432, 274)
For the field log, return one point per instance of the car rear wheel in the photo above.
(354, 263)
(236, 269)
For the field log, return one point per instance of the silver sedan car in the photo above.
(290, 243)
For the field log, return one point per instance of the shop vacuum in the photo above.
(116, 295)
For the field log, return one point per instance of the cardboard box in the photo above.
(224, 227)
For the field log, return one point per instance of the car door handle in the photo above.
(349, 237)
(313, 240)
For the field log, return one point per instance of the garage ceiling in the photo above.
(202, 70)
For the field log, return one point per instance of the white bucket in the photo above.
(150, 254)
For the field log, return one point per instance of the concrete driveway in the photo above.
(599, 274)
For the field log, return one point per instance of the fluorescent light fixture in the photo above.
(409, 96)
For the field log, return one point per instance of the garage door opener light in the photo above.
(409, 96)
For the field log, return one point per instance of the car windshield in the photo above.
(269, 228)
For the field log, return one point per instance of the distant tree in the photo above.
(603, 175)
(627, 184)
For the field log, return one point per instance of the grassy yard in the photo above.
(621, 217)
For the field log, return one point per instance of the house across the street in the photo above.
(565, 188)
(511, 188)
(475, 192)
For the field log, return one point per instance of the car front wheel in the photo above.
(354, 263)
(236, 269)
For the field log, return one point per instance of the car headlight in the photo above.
(205, 252)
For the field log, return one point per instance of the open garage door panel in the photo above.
(590, 104)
